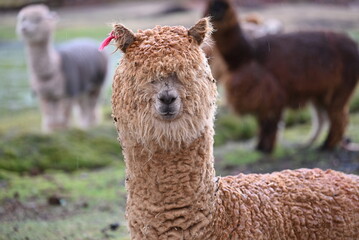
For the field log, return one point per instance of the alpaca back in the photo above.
(309, 63)
(291, 204)
(83, 66)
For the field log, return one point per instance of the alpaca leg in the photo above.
(46, 118)
(89, 111)
(319, 119)
(268, 133)
(55, 114)
(338, 122)
(338, 114)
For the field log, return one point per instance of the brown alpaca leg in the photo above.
(268, 133)
(338, 110)
(338, 122)
(319, 120)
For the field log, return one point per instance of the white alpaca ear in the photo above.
(123, 37)
(53, 16)
(201, 30)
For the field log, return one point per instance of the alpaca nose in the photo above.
(168, 97)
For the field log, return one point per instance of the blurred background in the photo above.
(70, 184)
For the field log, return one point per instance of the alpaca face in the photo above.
(222, 13)
(163, 90)
(35, 23)
(217, 9)
(167, 100)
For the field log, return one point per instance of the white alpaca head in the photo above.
(35, 23)
(163, 91)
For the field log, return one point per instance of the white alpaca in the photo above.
(71, 75)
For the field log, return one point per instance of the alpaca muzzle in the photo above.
(168, 104)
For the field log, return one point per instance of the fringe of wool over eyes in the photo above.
(170, 179)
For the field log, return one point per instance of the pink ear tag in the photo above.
(107, 41)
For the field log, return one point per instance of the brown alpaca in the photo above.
(271, 73)
(163, 105)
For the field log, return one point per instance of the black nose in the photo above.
(168, 97)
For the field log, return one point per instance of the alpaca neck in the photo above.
(42, 59)
(232, 44)
(171, 193)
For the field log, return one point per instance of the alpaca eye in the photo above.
(36, 19)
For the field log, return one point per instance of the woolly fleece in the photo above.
(172, 189)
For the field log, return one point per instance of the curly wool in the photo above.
(170, 179)
(292, 204)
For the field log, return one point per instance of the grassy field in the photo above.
(70, 185)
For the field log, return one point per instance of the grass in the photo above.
(84, 169)
(8, 33)
(229, 127)
(354, 102)
(63, 33)
(354, 35)
(241, 156)
(91, 201)
(88, 226)
(95, 32)
(97, 185)
(70, 150)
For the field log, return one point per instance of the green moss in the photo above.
(230, 127)
(240, 157)
(294, 117)
(98, 185)
(68, 151)
(354, 102)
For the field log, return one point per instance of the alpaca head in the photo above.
(221, 12)
(163, 92)
(35, 23)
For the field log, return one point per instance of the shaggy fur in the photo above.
(71, 75)
(172, 189)
(274, 72)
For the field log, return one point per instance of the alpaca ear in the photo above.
(201, 30)
(53, 16)
(123, 37)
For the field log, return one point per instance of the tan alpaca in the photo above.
(163, 106)
(64, 77)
